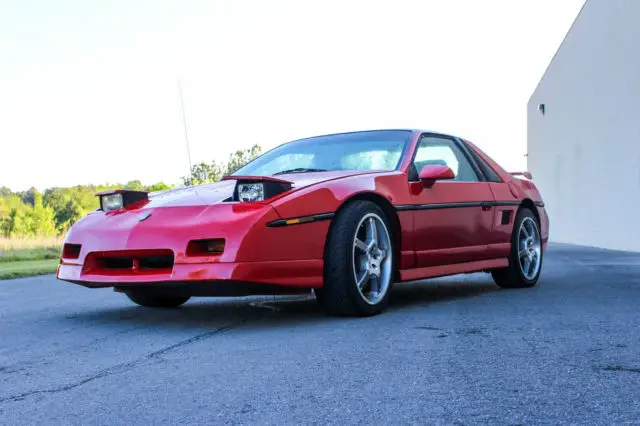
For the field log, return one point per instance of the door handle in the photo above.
(486, 205)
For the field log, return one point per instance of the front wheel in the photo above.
(359, 262)
(525, 259)
(155, 301)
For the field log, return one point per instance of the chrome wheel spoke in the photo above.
(360, 245)
(522, 253)
(375, 284)
(372, 230)
(362, 281)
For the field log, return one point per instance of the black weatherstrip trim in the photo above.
(507, 203)
(436, 206)
(301, 220)
(463, 204)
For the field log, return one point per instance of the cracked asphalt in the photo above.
(451, 351)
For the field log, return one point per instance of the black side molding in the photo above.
(462, 204)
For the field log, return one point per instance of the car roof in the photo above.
(413, 130)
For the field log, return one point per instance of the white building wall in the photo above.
(584, 153)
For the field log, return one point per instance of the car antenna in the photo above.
(184, 123)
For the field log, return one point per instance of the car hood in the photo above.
(213, 193)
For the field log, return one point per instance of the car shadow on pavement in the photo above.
(428, 292)
(279, 310)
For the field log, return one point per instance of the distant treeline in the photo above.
(33, 214)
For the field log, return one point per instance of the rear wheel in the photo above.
(525, 260)
(359, 262)
(155, 301)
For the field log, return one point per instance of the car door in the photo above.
(452, 218)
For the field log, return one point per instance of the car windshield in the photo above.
(369, 150)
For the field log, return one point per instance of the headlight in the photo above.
(111, 202)
(248, 192)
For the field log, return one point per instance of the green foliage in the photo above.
(242, 157)
(214, 171)
(160, 186)
(30, 213)
(135, 185)
(71, 204)
(20, 219)
(28, 196)
(204, 173)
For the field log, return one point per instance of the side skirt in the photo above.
(458, 268)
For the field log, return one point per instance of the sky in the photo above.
(89, 91)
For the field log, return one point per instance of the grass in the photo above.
(12, 244)
(27, 268)
(28, 257)
(39, 253)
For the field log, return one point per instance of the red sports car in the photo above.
(346, 215)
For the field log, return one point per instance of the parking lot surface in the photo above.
(456, 350)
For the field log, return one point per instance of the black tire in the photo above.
(512, 276)
(156, 301)
(340, 295)
(319, 296)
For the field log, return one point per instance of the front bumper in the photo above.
(293, 273)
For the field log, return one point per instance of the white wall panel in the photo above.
(584, 153)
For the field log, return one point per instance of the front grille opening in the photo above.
(117, 262)
(129, 262)
(156, 262)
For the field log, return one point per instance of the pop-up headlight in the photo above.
(257, 188)
(119, 198)
(248, 192)
(111, 202)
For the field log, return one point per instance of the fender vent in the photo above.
(506, 217)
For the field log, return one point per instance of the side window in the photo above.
(437, 150)
(488, 172)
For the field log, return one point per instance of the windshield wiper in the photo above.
(299, 170)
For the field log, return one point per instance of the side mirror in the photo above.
(433, 172)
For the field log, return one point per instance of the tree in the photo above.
(160, 186)
(4, 192)
(214, 171)
(204, 173)
(28, 196)
(20, 219)
(71, 204)
(242, 157)
(12, 206)
(4, 217)
(135, 185)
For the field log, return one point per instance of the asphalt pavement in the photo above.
(456, 350)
